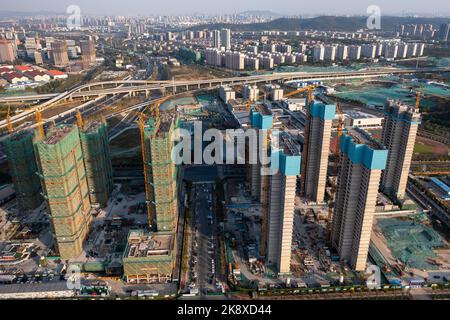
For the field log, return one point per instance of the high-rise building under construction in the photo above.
(361, 161)
(273, 184)
(316, 149)
(97, 161)
(23, 169)
(60, 57)
(88, 55)
(401, 123)
(285, 167)
(261, 119)
(160, 171)
(64, 182)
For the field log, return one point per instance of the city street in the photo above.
(205, 253)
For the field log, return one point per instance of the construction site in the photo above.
(22, 168)
(95, 145)
(409, 247)
(149, 257)
(159, 171)
(63, 177)
(277, 221)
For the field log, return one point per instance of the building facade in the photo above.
(7, 51)
(64, 183)
(60, 57)
(23, 170)
(401, 123)
(316, 150)
(97, 161)
(161, 174)
(285, 165)
(361, 161)
(88, 54)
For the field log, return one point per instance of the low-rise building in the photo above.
(149, 257)
(46, 290)
(14, 77)
(56, 74)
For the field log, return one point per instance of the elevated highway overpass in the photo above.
(132, 87)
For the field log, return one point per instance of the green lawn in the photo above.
(422, 148)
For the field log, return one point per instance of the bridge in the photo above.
(133, 87)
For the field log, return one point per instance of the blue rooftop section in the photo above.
(441, 185)
(323, 111)
(363, 154)
(260, 121)
(287, 164)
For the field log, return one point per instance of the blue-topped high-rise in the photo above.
(316, 150)
(361, 163)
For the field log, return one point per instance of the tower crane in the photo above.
(145, 161)
(418, 97)
(308, 88)
(79, 119)
(40, 124)
(8, 121)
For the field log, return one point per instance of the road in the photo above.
(427, 203)
(205, 244)
(146, 86)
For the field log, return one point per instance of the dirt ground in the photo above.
(193, 72)
(436, 147)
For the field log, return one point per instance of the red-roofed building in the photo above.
(36, 75)
(5, 69)
(56, 74)
(14, 77)
(23, 68)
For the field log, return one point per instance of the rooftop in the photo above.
(55, 73)
(19, 135)
(288, 145)
(23, 68)
(35, 287)
(400, 106)
(263, 109)
(142, 244)
(363, 137)
(165, 122)
(361, 115)
(93, 126)
(57, 134)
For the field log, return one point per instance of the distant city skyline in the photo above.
(283, 7)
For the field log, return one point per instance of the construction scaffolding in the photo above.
(149, 257)
(23, 170)
(412, 243)
(160, 172)
(65, 188)
(97, 161)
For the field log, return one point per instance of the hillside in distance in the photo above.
(325, 23)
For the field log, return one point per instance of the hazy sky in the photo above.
(291, 7)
